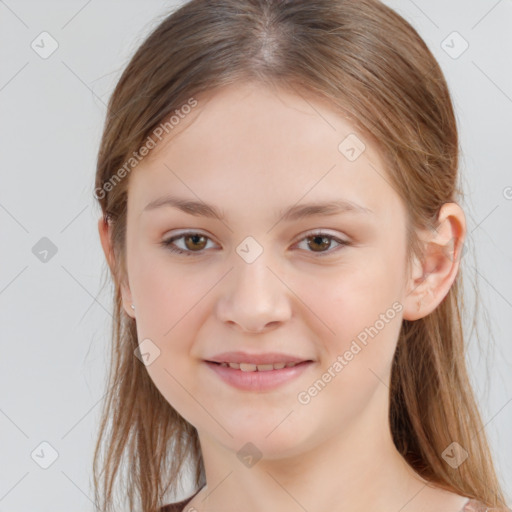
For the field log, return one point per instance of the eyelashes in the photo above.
(317, 237)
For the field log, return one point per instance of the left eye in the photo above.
(323, 240)
(196, 240)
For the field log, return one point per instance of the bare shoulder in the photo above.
(435, 498)
(474, 506)
(478, 506)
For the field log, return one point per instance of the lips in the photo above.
(260, 362)
(252, 379)
(248, 367)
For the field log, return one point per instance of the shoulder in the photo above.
(474, 506)
(478, 506)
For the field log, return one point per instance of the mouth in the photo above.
(259, 377)
(249, 367)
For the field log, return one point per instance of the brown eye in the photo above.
(321, 242)
(317, 241)
(195, 241)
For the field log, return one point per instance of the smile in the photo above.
(261, 377)
(248, 367)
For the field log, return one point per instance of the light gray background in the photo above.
(56, 323)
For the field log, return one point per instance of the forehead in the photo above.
(257, 118)
(264, 145)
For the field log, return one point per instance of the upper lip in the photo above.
(267, 358)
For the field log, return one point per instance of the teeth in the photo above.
(248, 367)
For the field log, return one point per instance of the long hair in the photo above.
(373, 66)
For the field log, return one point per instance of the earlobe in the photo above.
(104, 229)
(433, 277)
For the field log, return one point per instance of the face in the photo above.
(325, 287)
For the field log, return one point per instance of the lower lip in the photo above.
(258, 381)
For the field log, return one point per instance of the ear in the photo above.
(433, 277)
(105, 232)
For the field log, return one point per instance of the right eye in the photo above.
(192, 239)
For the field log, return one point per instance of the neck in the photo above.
(354, 470)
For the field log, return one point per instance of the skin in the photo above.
(252, 151)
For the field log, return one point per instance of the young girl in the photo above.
(280, 215)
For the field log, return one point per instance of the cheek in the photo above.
(170, 311)
(358, 303)
(170, 314)
(361, 306)
(169, 293)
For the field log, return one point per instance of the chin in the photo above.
(268, 441)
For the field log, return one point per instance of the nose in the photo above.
(254, 297)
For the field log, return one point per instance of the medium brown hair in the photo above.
(372, 65)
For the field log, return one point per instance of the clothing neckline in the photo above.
(471, 505)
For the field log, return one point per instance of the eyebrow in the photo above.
(295, 212)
